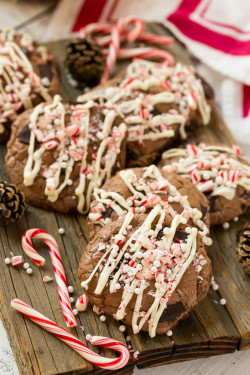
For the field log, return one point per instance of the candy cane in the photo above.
(145, 52)
(116, 40)
(97, 28)
(57, 266)
(74, 343)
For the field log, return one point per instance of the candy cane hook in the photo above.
(74, 343)
(57, 266)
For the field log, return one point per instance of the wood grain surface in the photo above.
(211, 329)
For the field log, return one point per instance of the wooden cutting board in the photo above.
(211, 329)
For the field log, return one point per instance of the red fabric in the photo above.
(91, 11)
(182, 20)
(246, 100)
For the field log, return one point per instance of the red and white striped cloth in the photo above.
(215, 31)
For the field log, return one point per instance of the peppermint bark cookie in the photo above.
(219, 171)
(147, 270)
(28, 76)
(158, 103)
(59, 152)
(139, 190)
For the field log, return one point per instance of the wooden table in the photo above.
(215, 365)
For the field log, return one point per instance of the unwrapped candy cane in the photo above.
(114, 35)
(74, 343)
(57, 266)
(115, 42)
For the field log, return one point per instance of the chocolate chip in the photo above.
(24, 136)
(172, 312)
(45, 71)
(212, 201)
(203, 210)
(181, 235)
(107, 213)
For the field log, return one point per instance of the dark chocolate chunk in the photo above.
(107, 213)
(181, 235)
(24, 136)
(203, 211)
(45, 71)
(172, 312)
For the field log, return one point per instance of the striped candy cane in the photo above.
(116, 35)
(74, 343)
(57, 266)
(95, 29)
(146, 52)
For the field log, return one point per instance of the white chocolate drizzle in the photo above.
(145, 194)
(69, 141)
(19, 84)
(178, 85)
(216, 170)
(152, 252)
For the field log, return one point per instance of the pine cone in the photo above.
(243, 250)
(12, 203)
(85, 61)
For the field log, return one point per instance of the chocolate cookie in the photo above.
(28, 76)
(219, 171)
(59, 152)
(138, 190)
(147, 270)
(158, 104)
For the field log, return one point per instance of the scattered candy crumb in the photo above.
(88, 337)
(17, 260)
(26, 266)
(136, 355)
(47, 279)
(7, 261)
(169, 333)
(226, 225)
(103, 318)
(29, 271)
(61, 231)
(72, 299)
(223, 301)
(75, 312)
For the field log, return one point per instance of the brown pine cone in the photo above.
(12, 203)
(85, 61)
(243, 250)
